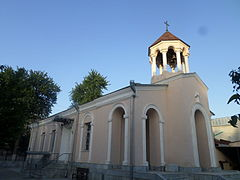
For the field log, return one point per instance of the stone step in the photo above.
(58, 171)
(35, 174)
(55, 174)
(177, 176)
(232, 177)
(56, 166)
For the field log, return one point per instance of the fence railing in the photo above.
(9, 156)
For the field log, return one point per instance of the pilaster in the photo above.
(108, 160)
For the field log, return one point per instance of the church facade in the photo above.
(145, 126)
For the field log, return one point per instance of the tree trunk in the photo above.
(14, 155)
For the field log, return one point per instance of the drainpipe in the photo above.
(75, 130)
(132, 129)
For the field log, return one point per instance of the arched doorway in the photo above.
(202, 140)
(153, 138)
(117, 141)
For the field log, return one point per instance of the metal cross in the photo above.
(166, 23)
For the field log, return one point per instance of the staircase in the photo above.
(218, 175)
(177, 176)
(46, 168)
(231, 175)
(54, 170)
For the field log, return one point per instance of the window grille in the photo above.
(88, 134)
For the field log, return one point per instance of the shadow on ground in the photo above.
(15, 174)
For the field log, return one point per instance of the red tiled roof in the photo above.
(221, 142)
(167, 36)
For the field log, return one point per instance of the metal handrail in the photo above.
(56, 159)
(40, 166)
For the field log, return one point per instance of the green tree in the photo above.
(24, 96)
(91, 88)
(235, 78)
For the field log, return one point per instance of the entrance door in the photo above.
(65, 144)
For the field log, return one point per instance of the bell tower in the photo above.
(168, 54)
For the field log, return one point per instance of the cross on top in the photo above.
(166, 23)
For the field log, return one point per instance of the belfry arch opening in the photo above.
(202, 140)
(153, 156)
(118, 130)
(159, 62)
(171, 59)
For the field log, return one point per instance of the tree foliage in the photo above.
(91, 88)
(24, 95)
(235, 78)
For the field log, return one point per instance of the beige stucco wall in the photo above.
(174, 99)
(180, 99)
(100, 133)
(47, 126)
(143, 99)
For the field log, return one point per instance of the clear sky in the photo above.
(69, 38)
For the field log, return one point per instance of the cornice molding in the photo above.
(119, 95)
(183, 75)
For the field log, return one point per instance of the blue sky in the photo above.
(69, 38)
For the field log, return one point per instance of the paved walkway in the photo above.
(15, 174)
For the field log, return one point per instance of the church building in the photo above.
(162, 126)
